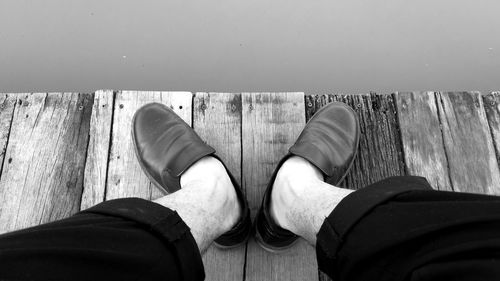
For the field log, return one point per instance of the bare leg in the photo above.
(207, 201)
(301, 200)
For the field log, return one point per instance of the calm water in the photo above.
(231, 45)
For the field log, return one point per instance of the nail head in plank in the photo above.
(96, 165)
(492, 107)
(125, 176)
(468, 143)
(7, 104)
(217, 120)
(271, 124)
(43, 179)
(422, 138)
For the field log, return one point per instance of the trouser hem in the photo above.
(353, 208)
(162, 221)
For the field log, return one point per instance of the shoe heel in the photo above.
(270, 248)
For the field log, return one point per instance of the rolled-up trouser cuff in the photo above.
(352, 209)
(164, 222)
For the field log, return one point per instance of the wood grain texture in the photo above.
(94, 184)
(7, 105)
(422, 138)
(42, 178)
(271, 124)
(380, 153)
(125, 176)
(217, 120)
(492, 107)
(468, 143)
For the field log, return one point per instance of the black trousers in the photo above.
(395, 229)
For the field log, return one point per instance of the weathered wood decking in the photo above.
(63, 152)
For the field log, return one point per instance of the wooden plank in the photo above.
(43, 177)
(422, 138)
(217, 119)
(380, 152)
(94, 184)
(491, 104)
(467, 140)
(271, 124)
(125, 176)
(7, 104)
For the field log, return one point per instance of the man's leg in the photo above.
(395, 229)
(129, 239)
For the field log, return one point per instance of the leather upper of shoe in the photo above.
(330, 142)
(166, 145)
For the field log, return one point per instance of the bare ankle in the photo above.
(207, 201)
(295, 177)
(301, 200)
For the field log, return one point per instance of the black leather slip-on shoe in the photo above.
(330, 142)
(166, 147)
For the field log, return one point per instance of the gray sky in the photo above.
(315, 46)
